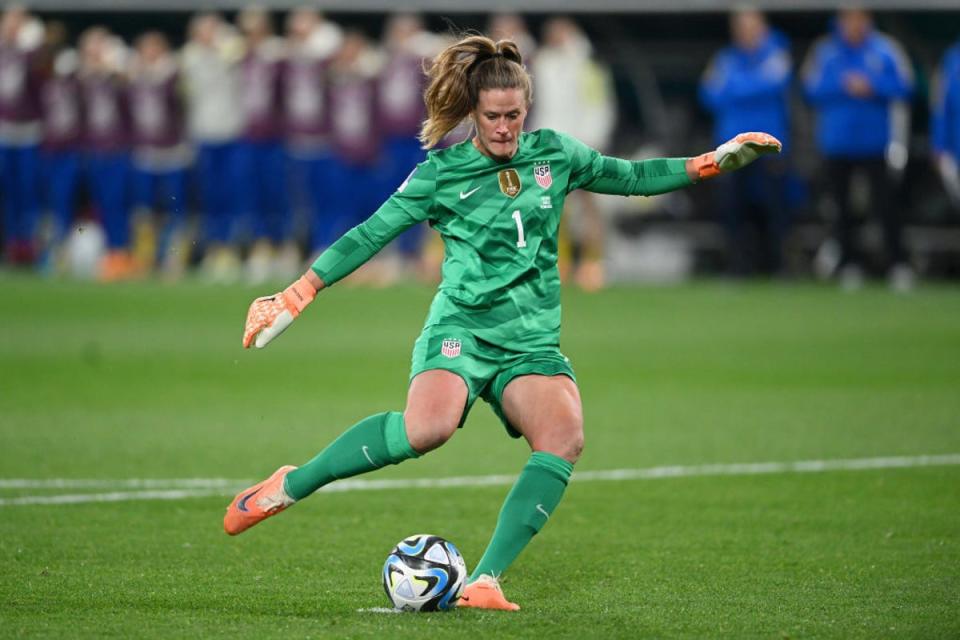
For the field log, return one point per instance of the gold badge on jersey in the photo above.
(509, 182)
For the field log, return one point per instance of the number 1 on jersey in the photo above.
(521, 243)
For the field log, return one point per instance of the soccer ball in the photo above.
(424, 573)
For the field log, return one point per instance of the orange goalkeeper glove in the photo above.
(269, 316)
(735, 154)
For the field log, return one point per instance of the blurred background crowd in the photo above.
(237, 146)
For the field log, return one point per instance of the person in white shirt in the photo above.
(574, 94)
(210, 68)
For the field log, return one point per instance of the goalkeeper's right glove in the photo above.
(735, 153)
(269, 316)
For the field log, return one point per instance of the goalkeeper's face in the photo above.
(499, 117)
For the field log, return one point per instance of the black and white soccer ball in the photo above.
(424, 573)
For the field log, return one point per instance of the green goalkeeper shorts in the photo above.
(485, 367)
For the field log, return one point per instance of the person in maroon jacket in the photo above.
(262, 149)
(20, 78)
(400, 111)
(356, 138)
(161, 155)
(107, 144)
(62, 121)
(312, 42)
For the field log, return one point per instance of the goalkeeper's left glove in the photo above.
(735, 154)
(269, 316)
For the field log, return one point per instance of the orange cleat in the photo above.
(485, 593)
(258, 502)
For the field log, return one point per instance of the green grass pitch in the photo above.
(146, 381)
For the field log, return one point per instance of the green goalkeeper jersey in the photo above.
(499, 223)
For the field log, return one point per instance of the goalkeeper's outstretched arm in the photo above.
(603, 174)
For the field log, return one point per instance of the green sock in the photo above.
(372, 443)
(532, 499)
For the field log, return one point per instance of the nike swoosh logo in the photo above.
(366, 453)
(464, 196)
(542, 510)
(242, 505)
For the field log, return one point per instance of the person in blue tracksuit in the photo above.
(746, 87)
(855, 77)
(945, 119)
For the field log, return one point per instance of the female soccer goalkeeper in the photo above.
(493, 329)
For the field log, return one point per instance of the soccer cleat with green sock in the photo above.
(485, 593)
(257, 503)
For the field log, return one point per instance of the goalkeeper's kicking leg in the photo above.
(435, 404)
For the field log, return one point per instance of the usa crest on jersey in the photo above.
(541, 173)
(450, 347)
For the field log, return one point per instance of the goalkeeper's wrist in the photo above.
(298, 295)
(703, 167)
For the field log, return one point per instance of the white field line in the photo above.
(180, 488)
(118, 483)
(115, 496)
